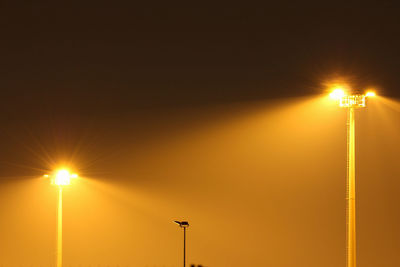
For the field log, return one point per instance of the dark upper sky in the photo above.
(120, 56)
(67, 66)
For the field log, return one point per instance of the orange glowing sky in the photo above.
(261, 183)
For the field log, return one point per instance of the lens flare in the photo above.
(370, 94)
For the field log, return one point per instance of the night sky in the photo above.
(113, 56)
(148, 97)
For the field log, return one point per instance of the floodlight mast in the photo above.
(60, 178)
(59, 227)
(351, 190)
(351, 102)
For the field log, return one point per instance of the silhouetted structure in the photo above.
(184, 225)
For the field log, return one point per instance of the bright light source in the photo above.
(62, 177)
(370, 94)
(337, 94)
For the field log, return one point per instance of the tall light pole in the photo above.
(351, 102)
(60, 178)
(184, 225)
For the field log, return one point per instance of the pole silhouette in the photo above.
(184, 225)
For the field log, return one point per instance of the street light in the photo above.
(351, 102)
(60, 178)
(184, 225)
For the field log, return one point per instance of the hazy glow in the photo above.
(240, 174)
(337, 94)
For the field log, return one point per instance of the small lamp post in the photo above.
(184, 225)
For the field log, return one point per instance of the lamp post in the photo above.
(60, 178)
(351, 102)
(184, 225)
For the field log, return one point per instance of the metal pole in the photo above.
(351, 192)
(59, 228)
(184, 246)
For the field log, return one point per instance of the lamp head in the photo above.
(354, 100)
(183, 224)
(62, 177)
(370, 94)
(337, 93)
